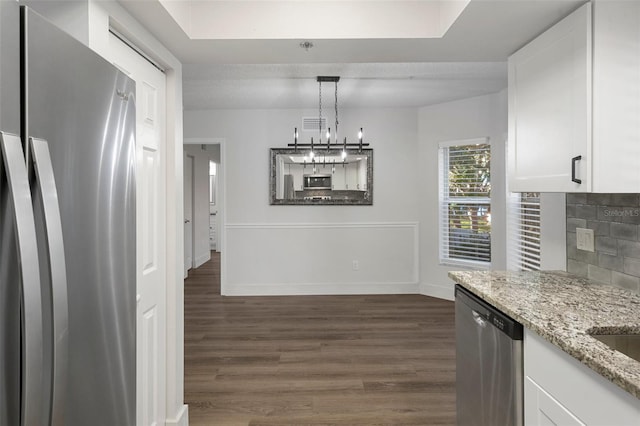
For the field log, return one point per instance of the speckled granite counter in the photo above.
(563, 309)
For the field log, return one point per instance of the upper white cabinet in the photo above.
(574, 104)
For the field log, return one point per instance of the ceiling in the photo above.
(222, 70)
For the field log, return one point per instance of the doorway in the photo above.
(204, 205)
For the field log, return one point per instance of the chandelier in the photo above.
(327, 144)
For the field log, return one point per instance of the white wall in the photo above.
(200, 219)
(310, 249)
(483, 116)
(70, 16)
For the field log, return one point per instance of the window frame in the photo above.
(443, 197)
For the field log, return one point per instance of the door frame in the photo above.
(192, 184)
(220, 195)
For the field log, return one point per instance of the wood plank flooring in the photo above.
(316, 360)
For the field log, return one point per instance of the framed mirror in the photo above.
(326, 179)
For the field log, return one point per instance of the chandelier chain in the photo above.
(320, 112)
(336, 112)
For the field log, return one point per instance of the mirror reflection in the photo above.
(329, 177)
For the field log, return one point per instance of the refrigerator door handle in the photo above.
(58, 273)
(15, 171)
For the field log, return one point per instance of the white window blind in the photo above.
(523, 230)
(465, 202)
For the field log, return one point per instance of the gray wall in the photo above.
(615, 219)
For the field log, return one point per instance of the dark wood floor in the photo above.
(316, 360)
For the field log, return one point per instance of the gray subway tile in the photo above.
(571, 210)
(577, 268)
(599, 199)
(614, 263)
(581, 255)
(629, 249)
(624, 231)
(576, 198)
(629, 200)
(625, 281)
(599, 228)
(574, 223)
(620, 214)
(599, 274)
(584, 211)
(631, 267)
(607, 245)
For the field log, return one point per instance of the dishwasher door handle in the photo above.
(478, 319)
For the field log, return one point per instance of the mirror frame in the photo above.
(368, 197)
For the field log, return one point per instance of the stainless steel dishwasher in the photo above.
(489, 370)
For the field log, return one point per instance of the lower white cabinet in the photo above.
(559, 390)
(542, 409)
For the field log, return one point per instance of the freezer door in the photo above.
(84, 108)
(10, 67)
(9, 288)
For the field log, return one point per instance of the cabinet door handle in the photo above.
(573, 169)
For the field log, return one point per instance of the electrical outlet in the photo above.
(355, 265)
(584, 239)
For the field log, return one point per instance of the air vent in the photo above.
(310, 124)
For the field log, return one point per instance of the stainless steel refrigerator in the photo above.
(67, 230)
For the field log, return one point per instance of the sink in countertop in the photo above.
(628, 344)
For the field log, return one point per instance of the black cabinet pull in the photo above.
(573, 169)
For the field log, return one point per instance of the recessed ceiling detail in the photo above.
(314, 19)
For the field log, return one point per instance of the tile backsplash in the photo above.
(615, 220)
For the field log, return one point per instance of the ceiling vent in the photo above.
(310, 124)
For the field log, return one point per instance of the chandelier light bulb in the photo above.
(344, 154)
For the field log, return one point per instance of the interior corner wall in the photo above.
(482, 116)
(311, 249)
(202, 252)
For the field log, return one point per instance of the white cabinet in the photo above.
(574, 103)
(544, 410)
(559, 390)
(362, 174)
(352, 176)
(339, 179)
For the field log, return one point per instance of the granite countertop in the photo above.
(563, 309)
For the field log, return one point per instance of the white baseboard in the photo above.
(181, 418)
(299, 289)
(437, 291)
(202, 259)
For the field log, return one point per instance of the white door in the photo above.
(151, 231)
(188, 213)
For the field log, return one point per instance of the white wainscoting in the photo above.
(318, 258)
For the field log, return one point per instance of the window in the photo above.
(465, 202)
(523, 229)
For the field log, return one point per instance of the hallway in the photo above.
(316, 360)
